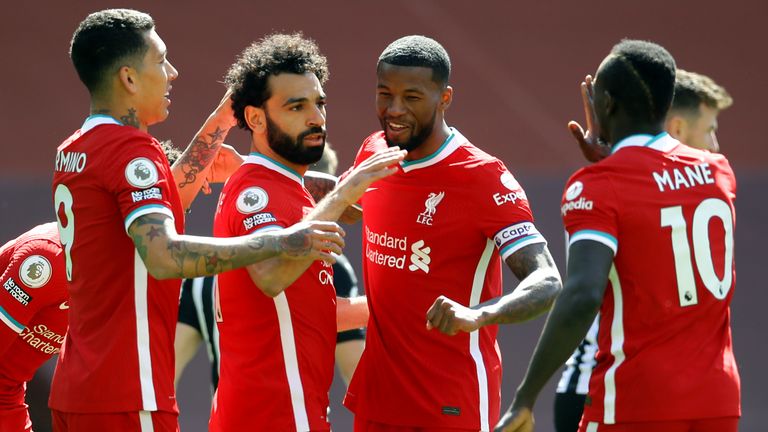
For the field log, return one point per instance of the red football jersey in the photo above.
(442, 225)
(664, 344)
(33, 305)
(276, 353)
(118, 355)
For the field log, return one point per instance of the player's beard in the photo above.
(293, 149)
(415, 140)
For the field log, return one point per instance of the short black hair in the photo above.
(640, 75)
(693, 89)
(419, 51)
(270, 56)
(104, 40)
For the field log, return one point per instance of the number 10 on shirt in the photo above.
(681, 247)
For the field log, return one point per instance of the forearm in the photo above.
(329, 208)
(192, 167)
(274, 275)
(568, 323)
(351, 313)
(169, 255)
(533, 296)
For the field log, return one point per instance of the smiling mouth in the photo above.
(396, 127)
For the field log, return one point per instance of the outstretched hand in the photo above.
(592, 147)
(450, 317)
(311, 240)
(381, 164)
(516, 420)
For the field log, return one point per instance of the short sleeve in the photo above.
(252, 206)
(504, 212)
(141, 180)
(588, 209)
(33, 278)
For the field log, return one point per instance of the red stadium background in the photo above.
(516, 71)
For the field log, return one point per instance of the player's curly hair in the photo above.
(419, 51)
(272, 55)
(641, 76)
(692, 89)
(171, 152)
(104, 40)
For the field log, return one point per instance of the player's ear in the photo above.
(676, 126)
(256, 118)
(127, 78)
(446, 97)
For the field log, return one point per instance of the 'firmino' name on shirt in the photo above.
(70, 161)
(686, 177)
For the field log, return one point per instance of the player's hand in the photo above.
(381, 164)
(450, 317)
(319, 184)
(592, 147)
(311, 240)
(516, 420)
(224, 111)
(227, 161)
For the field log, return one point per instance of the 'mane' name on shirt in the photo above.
(687, 177)
(70, 161)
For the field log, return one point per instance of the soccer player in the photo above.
(637, 221)
(692, 120)
(33, 306)
(435, 236)
(119, 220)
(197, 322)
(277, 346)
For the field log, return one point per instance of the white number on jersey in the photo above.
(66, 233)
(686, 286)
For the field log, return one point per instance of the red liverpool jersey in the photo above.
(33, 305)
(118, 355)
(276, 353)
(442, 225)
(664, 344)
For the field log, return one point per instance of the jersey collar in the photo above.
(454, 140)
(661, 142)
(96, 120)
(260, 159)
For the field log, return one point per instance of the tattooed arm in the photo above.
(272, 276)
(168, 255)
(539, 286)
(191, 168)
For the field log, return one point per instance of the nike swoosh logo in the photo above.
(64, 306)
(371, 189)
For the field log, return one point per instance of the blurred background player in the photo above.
(435, 236)
(277, 348)
(111, 179)
(33, 306)
(692, 120)
(197, 322)
(665, 359)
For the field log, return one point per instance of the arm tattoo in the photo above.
(297, 244)
(200, 154)
(539, 285)
(131, 119)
